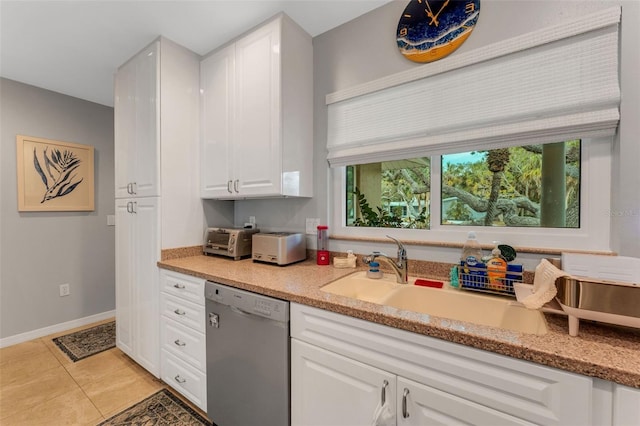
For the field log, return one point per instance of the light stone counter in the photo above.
(609, 353)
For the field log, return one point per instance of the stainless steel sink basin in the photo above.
(446, 302)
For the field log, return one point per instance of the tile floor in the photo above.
(40, 385)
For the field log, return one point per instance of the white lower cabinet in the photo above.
(626, 406)
(423, 380)
(183, 342)
(330, 389)
(420, 405)
(137, 252)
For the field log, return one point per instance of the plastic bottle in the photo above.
(471, 253)
(497, 269)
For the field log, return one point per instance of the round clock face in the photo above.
(431, 29)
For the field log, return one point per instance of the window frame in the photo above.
(594, 232)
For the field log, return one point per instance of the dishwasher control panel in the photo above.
(247, 302)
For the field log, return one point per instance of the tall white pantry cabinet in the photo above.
(157, 185)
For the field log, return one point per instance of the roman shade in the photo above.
(551, 85)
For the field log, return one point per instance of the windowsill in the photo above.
(533, 250)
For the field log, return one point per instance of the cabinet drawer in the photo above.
(183, 342)
(184, 286)
(191, 383)
(186, 313)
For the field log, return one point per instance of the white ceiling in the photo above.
(74, 47)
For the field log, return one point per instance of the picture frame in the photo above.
(54, 175)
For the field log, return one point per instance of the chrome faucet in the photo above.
(400, 267)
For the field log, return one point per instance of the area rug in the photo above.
(161, 408)
(91, 341)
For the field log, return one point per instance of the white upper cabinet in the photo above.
(216, 85)
(137, 148)
(257, 115)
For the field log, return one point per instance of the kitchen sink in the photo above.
(461, 305)
(358, 286)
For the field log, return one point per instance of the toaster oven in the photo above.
(230, 242)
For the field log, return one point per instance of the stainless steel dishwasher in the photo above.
(247, 358)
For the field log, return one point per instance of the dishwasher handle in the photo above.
(214, 320)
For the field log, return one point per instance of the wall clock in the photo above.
(429, 30)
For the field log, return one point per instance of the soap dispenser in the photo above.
(496, 269)
(374, 270)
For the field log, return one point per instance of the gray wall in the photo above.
(40, 251)
(365, 49)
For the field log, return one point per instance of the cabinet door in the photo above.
(146, 155)
(626, 406)
(420, 405)
(217, 82)
(328, 389)
(146, 283)
(124, 264)
(257, 139)
(137, 146)
(124, 127)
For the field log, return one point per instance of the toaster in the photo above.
(230, 242)
(281, 248)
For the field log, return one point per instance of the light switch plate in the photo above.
(111, 220)
(312, 225)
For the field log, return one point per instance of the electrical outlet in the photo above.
(64, 290)
(252, 219)
(312, 225)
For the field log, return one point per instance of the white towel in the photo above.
(383, 416)
(544, 285)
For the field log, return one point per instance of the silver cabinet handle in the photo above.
(179, 312)
(405, 412)
(383, 396)
(229, 187)
(130, 188)
(179, 343)
(133, 188)
(235, 185)
(131, 206)
(180, 379)
(178, 285)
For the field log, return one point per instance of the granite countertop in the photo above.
(607, 352)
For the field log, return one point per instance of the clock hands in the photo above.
(434, 18)
(430, 14)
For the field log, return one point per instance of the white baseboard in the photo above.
(35, 334)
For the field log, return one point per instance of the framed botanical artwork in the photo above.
(54, 175)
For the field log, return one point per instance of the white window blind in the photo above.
(553, 84)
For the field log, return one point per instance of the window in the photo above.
(534, 185)
(401, 194)
(500, 187)
(390, 194)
